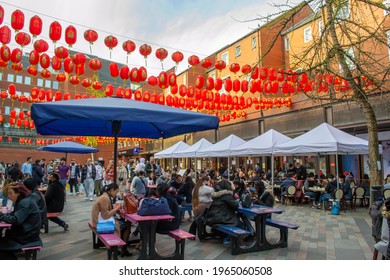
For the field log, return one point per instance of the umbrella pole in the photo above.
(116, 127)
(272, 170)
(337, 169)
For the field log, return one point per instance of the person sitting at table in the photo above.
(25, 220)
(186, 192)
(4, 191)
(264, 197)
(55, 199)
(201, 200)
(346, 187)
(329, 190)
(37, 196)
(163, 227)
(310, 182)
(288, 181)
(104, 205)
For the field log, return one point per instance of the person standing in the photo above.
(27, 167)
(99, 178)
(74, 177)
(55, 199)
(110, 172)
(150, 167)
(139, 184)
(88, 175)
(63, 171)
(37, 172)
(121, 177)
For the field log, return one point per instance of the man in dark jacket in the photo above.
(163, 227)
(37, 172)
(55, 198)
(37, 196)
(264, 197)
(88, 175)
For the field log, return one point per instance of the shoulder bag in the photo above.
(154, 207)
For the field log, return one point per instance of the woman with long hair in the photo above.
(201, 196)
(25, 220)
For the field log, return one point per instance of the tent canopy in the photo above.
(221, 148)
(95, 117)
(261, 145)
(168, 152)
(68, 147)
(191, 151)
(323, 139)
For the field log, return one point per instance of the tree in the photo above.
(347, 58)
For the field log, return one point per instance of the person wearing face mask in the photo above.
(74, 177)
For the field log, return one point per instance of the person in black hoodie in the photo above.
(25, 220)
(55, 198)
(329, 190)
(37, 196)
(37, 172)
(163, 227)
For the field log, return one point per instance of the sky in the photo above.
(199, 27)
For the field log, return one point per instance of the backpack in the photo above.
(246, 200)
(376, 218)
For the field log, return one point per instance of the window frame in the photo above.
(305, 38)
(254, 42)
(287, 43)
(225, 57)
(237, 51)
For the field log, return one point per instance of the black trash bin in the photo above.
(376, 193)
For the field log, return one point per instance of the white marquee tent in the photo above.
(168, 152)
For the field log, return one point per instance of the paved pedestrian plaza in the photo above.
(321, 236)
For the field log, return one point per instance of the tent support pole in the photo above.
(228, 168)
(337, 169)
(116, 127)
(272, 170)
(196, 177)
(318, 161)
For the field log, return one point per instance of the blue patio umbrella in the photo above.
(117, 117)
(68, 147)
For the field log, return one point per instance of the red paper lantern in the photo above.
(80, 68)
(111, 42)
(22, 38)
(127, 94)
(161, 54)
(95, 64)
(67, 96)
(272, 74)
(246, 69)
(280, 75)
(17, 66)
(163, 80)
(1, 120)
(5, 53)
(119, 92)
(146, 97)
(55, 31)
(193, 60)
(263, 73)
(228, 84)
(44, 60)
(244, 86)
(236, 85)
(32, 125)
(206, 63)
(1, 14)
(134, 75)
(218, 84)
(41, 46)
(17, 20)
(18, 123)
(142, 74)
(61, 77)
(234, 67)
(68, 65)
(49, 95)
(199, 82)
(74, 80)
(182, 90)
(33, 57)
(5, 35)
(172, 78)
(190, 92)
(145, 50)
(177, 57)
(13, 114)
(70, 35)
(109, 90)
(174, 89)
(97, 85)
(128, 46)
(152, 80)
(56, 63)
(91, 36)
(210, 83)
(114, 70)
(16, 55)
(35, 26)
(61, 52)
(79, 58)
(11, 89)
(41, 94)
(137, 95)
(87, 82)
(124, 73)
(4, 95)
(34, 93)
(21, 115)
(255, 73)
(220, 64)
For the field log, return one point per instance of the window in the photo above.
(254, 41)
(387, 4)
(40, 82)
(238, 51)
(10, 78)
(55, 85)
(342, 9)
(287, 43)
(388, 41)
(349, 58)
(7, 110)
(185, 79)
(307, 37)
(48, 83)
(1, 76)
(27, 94)
(225, 57)
(19, 79)
(27, 80)
(320, 28)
